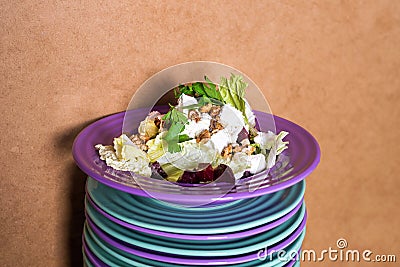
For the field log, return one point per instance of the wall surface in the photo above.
(331, 66)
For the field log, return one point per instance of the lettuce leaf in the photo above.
(156, 148)
(233, 91)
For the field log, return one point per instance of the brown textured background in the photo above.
(331, 66)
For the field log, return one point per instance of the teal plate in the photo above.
(112, 256)
(107, 196)
(231, 217)
(86, 261)
(221, 247)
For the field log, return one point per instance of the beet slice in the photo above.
(189, 178)
(244, 134)
(206, 175)
(157, 171)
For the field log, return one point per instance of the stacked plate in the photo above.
(138, 221)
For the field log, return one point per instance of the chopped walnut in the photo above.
(215, 125)
(237, 149)
(249, 150)
(154, 114)
(227, 151)
(143, 147)
(203, 136)
(215, 110)
(138, 139)
(144, 138)
(161, 125)
(157, 121)
(206, 108)
(194, 115)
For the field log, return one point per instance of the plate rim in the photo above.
(89, 169)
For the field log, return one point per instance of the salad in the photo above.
(211, 130)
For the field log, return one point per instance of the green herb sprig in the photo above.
(200, 89)
(176, 121)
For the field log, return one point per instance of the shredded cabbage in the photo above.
(155, 148)
(125, 156)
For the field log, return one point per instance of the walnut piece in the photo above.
(144, 138)
(194, 115)
(249, 150)
(215, 125)
(215, 110)
(227, 151)
(206, 108)
(139, 139)
(237, 148)
(203, 136)
(143, 147)
(157, 121)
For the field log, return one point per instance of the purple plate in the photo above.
(297, 162)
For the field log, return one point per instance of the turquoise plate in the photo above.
(231, 217)
(86, 262)
(115, 257)
(222, 247)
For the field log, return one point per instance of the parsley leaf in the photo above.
(183, 138)
(185, 89)
(176, 121)
(211, 90)
(199, 89)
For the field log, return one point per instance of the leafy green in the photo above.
(174, 115)
(233, 91)
(202, 102)
(176, 121)
(193, 106)
(210, 83)
(257, 147)
(177, 92)
(183, 138)
(184, 89)
(199, 89)
(211, 90)
(205, 100)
